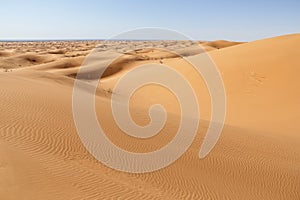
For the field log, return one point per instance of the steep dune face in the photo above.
(262, 84)
(257, 156)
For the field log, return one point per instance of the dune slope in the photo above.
(257, 156)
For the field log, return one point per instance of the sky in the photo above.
(101, 19)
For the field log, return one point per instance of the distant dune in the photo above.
(257, 156)
(219, 44)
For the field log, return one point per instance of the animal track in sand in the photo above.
(257, 77)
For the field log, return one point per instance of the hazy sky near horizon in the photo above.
(199, 19)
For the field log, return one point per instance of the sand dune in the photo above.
(265, 82)
(219, 44)
(257, 156)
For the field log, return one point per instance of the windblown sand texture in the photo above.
(257, 156)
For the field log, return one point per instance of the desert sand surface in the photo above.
(257, 156)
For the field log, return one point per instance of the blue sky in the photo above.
(199, 19)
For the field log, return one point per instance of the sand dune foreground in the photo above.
(257, 156)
